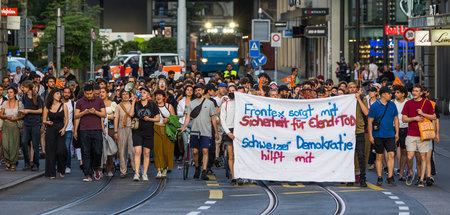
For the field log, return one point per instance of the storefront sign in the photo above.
(422, 38)
(397, 30)
(440, 37)
(8, 11)
(315, 31)
(315, 11)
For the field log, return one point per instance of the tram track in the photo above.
(340, 204)
(273, 199)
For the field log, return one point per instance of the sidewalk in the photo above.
(10, 179)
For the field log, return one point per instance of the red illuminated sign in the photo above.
(397, 30)
(8, 11)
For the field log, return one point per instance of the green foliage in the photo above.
(129, 46)
(78, 24)
(160, 45)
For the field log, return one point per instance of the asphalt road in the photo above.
(216, 196)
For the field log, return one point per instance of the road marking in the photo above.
(245, 185)
(403, 213)
(203, 207)
(387, 193)
(345, 187)
(211, 182)
(298, 185)
(210, 202)
(345, 191)
(393, 197)
(403, 208)
(193, 213)
(215, 194)
(212, 177)
(399, 202)
(213, 185)
(244, 195)
(374, 187)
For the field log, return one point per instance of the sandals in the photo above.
(7, 166)
(13, 168)
(61, 175)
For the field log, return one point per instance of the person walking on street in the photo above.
(147, 112)
(90, 110)
(414, 111)
(383, 126)
(67, 100)
(201, 123)
(164, 147)
(122, 130)
(400, 101)
(108, 122)
(11, 114)
(56, 117)
(33, 106)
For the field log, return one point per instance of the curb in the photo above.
(20, 181)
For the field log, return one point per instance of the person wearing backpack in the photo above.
(202, 112)
(383, 117)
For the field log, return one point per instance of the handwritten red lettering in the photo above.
(272, 156)
(306, 158)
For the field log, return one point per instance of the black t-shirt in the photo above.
(140, 111)
(32, 119)
(105, 69)
(135, 69)
(71, 77)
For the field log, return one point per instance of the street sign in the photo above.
(13, 23)
(288, 33)
(93, 36)
(9, 11)
(254, 48)
(262, 59)
(276, 40)
(162, 23)
(261, 30)
(312, 32)
(255, 63)
(25, 24)
(409, 35)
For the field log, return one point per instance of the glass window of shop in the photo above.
(371, 30)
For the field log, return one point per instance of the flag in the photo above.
(260, 84)
(289, 80)
(397, 82)
(59, 83)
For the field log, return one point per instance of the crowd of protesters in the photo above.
(111, 124)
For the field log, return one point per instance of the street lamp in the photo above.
(208, 25)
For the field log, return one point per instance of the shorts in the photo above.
(226, 139)
(200, 142)
(416, 144)
(402, 133)
(141, 140)
(384, 143)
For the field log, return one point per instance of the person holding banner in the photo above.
(227, 121)
(361, 111)
(205, 116)
(383, 115)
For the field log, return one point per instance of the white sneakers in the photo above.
(136, 177)
(144, 177)
(159, 175)
(68, 170)
(110, 174)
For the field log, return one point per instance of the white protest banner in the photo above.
(295, 140)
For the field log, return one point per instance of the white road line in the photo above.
(210, 202)
(387, 193)
(399, 202)
(203, 207)
(393, 197)
(403, 213)
(193, 213)
(403, 208)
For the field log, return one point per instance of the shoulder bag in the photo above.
(426, 128)
(196, 111)
(376, 123)
(134, 121)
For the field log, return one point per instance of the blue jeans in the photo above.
(69, 136)
(32, 133)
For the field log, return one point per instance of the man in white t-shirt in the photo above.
(400, 100)
(66, 99)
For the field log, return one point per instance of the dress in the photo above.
(163, 150)
(11, 135)
(55, 147)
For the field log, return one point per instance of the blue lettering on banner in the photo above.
(302, 113)
(325, 144)
(330, 112)
(262, 112)
(254, 143)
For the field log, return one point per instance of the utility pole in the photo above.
(92, 55)
(181, 34)
(58, 42)
(3, 41)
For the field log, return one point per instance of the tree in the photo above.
(160, 45)
(78, 24)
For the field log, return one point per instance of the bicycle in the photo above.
(187, 153)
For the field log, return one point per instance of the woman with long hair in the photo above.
(122, 130)
(10, 113)
(56, 118)
(147, 112)
(164, 147)
(110, 108)
(188, 96)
